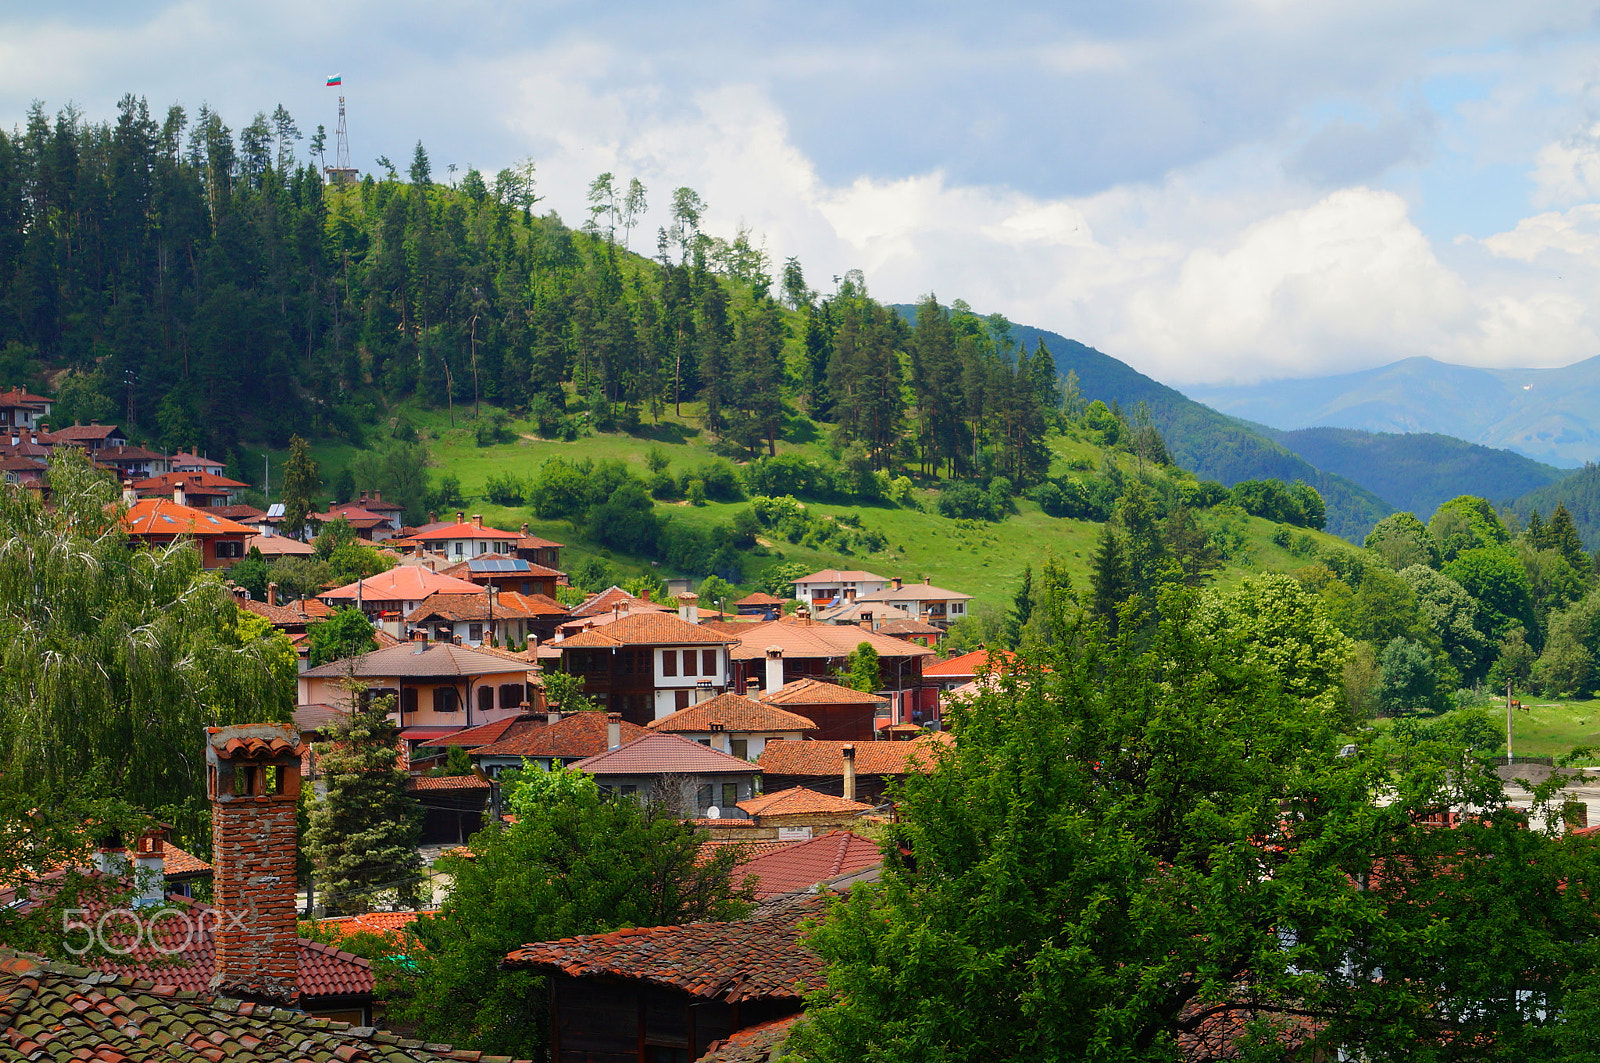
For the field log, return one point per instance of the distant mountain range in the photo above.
(1550, 415)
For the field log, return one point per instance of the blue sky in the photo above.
(1211, 191)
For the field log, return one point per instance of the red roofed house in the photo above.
(668, 993)
(735, 724)
(833, 587)
(854, 770)
(923, 601)
(466, 539)
(839, 712)
(797, 810)
(474, 619)
(19, 409)
(673, 770)
(507, 574)
(159, 521)
(802, 865)
(648, 665)
(556, 744)
(132, 463)
(762, 604)
(539, 551)
(92, 437)
(188, 461)
(389, 596)
(202, 490)
(368, 525)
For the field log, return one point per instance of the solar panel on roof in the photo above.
(275, 510)
(497, 564)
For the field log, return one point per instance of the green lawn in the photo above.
(1552, 728)
(985, 560)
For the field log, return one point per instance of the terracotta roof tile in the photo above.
(761, 1043)
(409, 583)
(164, 517)
(278, 546)
(804, 864)
(799, 801)
(834, 575)
(811, 691)
(824, 759)
(67, 1013)
(908, 626)
(731, 712)
(423, 783)
(418, 659)
(190, 480)
(577, 736)
(814, 640)
(605, 601)
(464, 530)
(646, 629)
(752, 959)
(915, 592)
(759, 598)
(658, 754)
(970, 664)
(371, 922)
(489, 733)
(280, 615)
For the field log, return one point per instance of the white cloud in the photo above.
(1568, 171)
(1573, 232)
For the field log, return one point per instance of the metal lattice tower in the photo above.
(341, 172)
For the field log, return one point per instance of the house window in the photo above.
(730, 794)
(708, 662)
(706, 796)
(680, 699)
(458, 548)
(486, 699)
(688, 662)
(669, 662)
(230, 549)
(408, 700)
(445, 699)
(474, 632)
(511, 695)
(704, 741)
(740, 747)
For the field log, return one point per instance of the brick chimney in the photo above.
(130, 497)
(774, 668)
(272, 594)
(477, 521)
(461, 518)
(927, 581)
(253, 780)
(848, 752)
(896, 581)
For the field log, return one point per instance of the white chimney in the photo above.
(613, 730)
(774, 668)
(149, 871)
(178, 496)
(689, 608)
(130, 497)
(848, 752)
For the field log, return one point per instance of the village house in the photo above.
(508, 574)
(21, 410)
(438, 687)
(648, 665)
(539, 551)
(761, 605)
(852, 770)
(671, 769)
(831, 587)
(736, 724)
(389, 597)
(465, 539)
(203, 490)
(922, 601)
(796, 813)
(800, 865)
(368, 525)
(188, 461)
(948, 675)
(837, 711)
(132, 463)
(159, 521)
(554, 743)
(507, 617)
(92, 437)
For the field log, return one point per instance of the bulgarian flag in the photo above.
(337, 79)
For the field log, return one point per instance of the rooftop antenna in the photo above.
(341, 172)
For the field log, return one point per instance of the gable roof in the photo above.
(915, 592)
(465, 529)
(760, 1043)
(508, 605)
(163, 516)
(750, 959)
(189, 458)
(645, 629)
(731, 712)
(968, 664)
(417, 659)
(278, 546)
(759, 598)
(805, 864)
(605, 601)
(406, 583)
(799, 801)
(582, 734)
(659, 754)
(824, 759)
(486, 734)
(834, 575)
(190, 481)
(814, 691)
(828, 641)
(80, 432)
(61, 1011)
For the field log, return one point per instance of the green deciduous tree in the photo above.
(113, 657)
(1149, 837)
(574, 862)
(862, 670)
(365, 827)
(347, 633)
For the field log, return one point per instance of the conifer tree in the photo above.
(365, 828)
(300, 479)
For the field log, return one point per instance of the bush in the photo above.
(505, 490)
(963, 499)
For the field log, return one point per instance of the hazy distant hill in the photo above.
(1213, 446)
(1418, 471)
(1551, 415)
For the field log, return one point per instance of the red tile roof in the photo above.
(824, 759)
(407, 583)
(78, 432)
(805, 864)
(814, 640)
(464, 530)
(418, 659)
(209, 482)
(759, 598)
(371, 922)
(606, 600)
(751, 959)
(423, 783)
(278, 546)
(577, 736)
(811, 691)
(659, 754)
(761, 1043)
(533, 542)
(488, 733)
(969, 664)
(799, 801)
(731, 712)
(58, 1011)
(279, 615)
(834, 575)
(163, 517)
(188, 458)
(308, 718)
(645, 629)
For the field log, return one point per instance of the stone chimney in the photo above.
(524, 529)
(272, 594)
(774, 668)
(848, 752)
(689, 608)
(253, 780)
(149, 870)
(613, 730)
(752, 688)
(802, 616)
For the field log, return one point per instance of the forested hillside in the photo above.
(1419, 471)
(1212, 445)
(1579, 492)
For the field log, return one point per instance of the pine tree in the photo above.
(1021, 609)
(300, 479)
(1109, 583)
(365, 828)
(1563, 535)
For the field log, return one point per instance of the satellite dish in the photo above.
(713, 812)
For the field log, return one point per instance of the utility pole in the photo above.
(1509, 758)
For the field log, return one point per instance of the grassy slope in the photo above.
(986, 562)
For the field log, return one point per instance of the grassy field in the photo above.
(1552, 728)
(985, 560)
